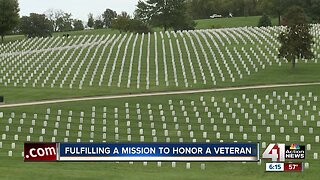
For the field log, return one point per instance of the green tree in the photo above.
(36, 25)
(98, 23)
(78, 25)
(264, 21)
(9, 16)
(108, 16)
(121, 22)
(279, 7)
(90, 20)
(138, 26)
(313, 10)
(125, 15)
(64, 23)
(184, 23)
(273, 7)
(163, 13)
(53, 15)
(203, 9)
(296, 41)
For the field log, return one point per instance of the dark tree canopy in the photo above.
(121, 22)
(203, 9)
(9, 16)
(279, 7)
(124, 23)
(108, 16)
(264, 21)
(36, 25)
(138, 26)
(90, 20)
(125, 15)
(164, 13)
(314, 11)
(53, 15)
(78, 25)
(296, 41)
(274, 7)
(98, 23)
(64, 23)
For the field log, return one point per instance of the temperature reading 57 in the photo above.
(297, 167)
(293, 166)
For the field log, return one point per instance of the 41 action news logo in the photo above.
(281, 152)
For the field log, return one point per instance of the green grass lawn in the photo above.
(230, 22)
(15, 168)
(11, 38)
(304, 72)
(88, 32)
(253, 113)
(121, 68)
(201, 24)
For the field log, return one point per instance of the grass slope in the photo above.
(304, 72)
(256, 115)
(15, 168)
(230, 22)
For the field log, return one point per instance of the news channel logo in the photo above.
(280, 152)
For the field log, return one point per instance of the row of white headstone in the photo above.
(81, 82)
(38, 69)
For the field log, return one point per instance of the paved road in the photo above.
(156, 94)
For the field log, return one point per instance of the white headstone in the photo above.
(203, 166)
(218, 135)
(188, 165)
(245, 136)
(287, 138)
(173, 164)
(259, 137)
(315, 155)
(281, 130)
(308, 147)
(231, 135)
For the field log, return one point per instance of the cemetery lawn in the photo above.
(194, 60)
(15, 168)
(231, 22)
(303, 73)
(201, 24)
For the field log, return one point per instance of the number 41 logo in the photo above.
(276, 152)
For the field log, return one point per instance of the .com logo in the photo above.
(40, 152)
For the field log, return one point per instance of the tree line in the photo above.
(167, 14)
(202, 9)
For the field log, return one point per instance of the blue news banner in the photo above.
(158, 152)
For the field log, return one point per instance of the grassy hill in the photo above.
(104, 62)
(230, 22)
(262, 123)
(201, 24)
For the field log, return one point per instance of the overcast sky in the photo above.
(78, 8)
